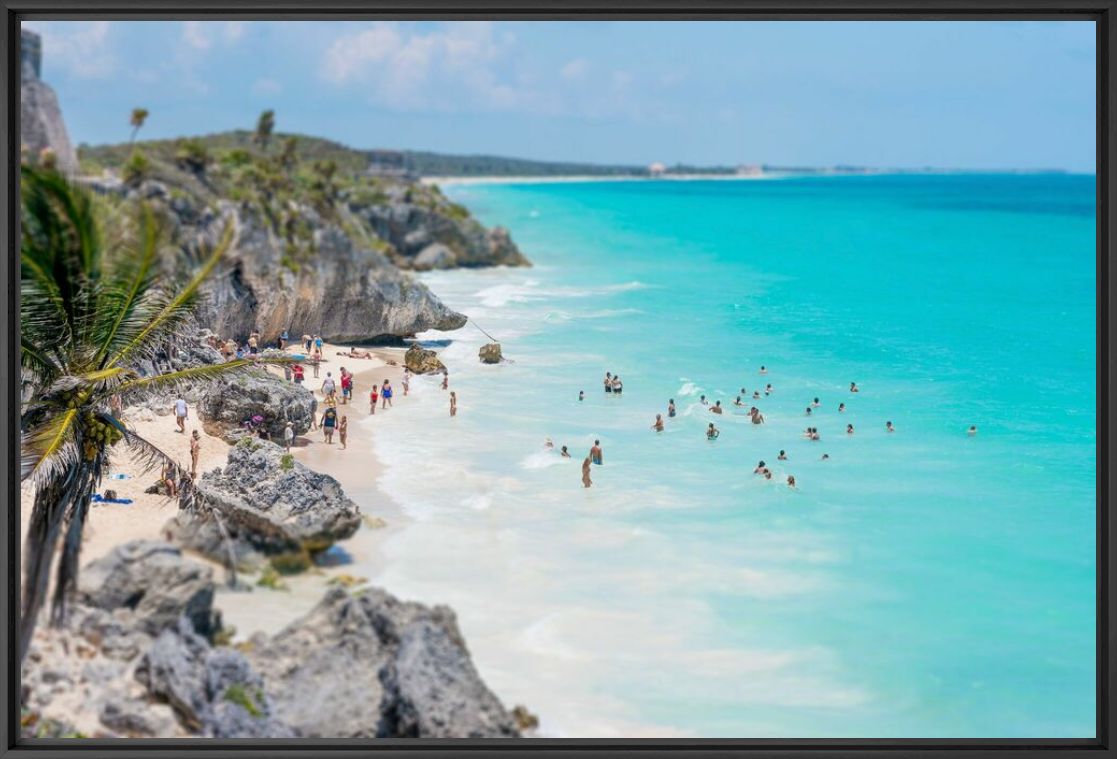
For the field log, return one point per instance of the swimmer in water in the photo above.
(767, 474)
(815, 402)
(825, 457)
(703, 401)
(595, 452)
(738, 402)
(712, 432)
(756, 395)
(768, 388)
(972, 430)
(548, 444)
(565, 453)
(782, 456)
(760, 468)
(608, 386)
(744, 392)
(853, 388)
(888, 427)
(581, 395)
(716, 408)
(841, 408)
(791, 480)
(671, 407)
(849, 429)
(757, 417)
(658, 424)
(763, 369)
(586, 481)
(808, 411)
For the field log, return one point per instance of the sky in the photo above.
(967, 95)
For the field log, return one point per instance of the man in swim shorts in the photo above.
(595, 453)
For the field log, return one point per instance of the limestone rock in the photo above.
(422, 361)
(40, 118)
(155, 582)
(490, 353)
(368, 665)
(434, 256)
(275, 504)
(229, 402)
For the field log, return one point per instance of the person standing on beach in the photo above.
(595, 452)
(306, 343)
(315, 361)
(329, 421)
(288, 436)
(343, 431)
(283, 340)
(586, 481)
(298, 373)
(657, 425)
(386, 395)
(406, 380)
(372, 398)
(181, 413)
(329, 387)
(318, 344)
(195, 452)
(453, 403)
(346, 386)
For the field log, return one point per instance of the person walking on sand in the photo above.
(288, 436)
(658, 424)
(712, 432)
(372, 398)
(195, 452)
(318, 344)
(586, 481)
(329, 422)
(595, 453)
(453, 403)
(315, 361)
(328, 385)
(181, 414)
(298, 373)
(386, 395)
(346, 385)
(343, 431)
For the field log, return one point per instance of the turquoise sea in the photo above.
(924, 583)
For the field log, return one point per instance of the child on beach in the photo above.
(343, 431)
(453, 403)
(372, 398)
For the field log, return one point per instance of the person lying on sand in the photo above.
(356, 353)
(712, 432)
(657, 425)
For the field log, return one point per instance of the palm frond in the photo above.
(172, 380)
(50, 447)
(145, 453)
(175, 310)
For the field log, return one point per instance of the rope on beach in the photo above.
(486, 334)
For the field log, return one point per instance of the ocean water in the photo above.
(918, 584)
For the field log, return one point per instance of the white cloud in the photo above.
(452, 68)
(81, 48)
(266, 86)
(201, 35)
(575, 69)
(193, 34)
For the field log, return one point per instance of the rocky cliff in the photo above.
(40, 118)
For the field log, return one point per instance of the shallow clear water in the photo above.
(919, 584)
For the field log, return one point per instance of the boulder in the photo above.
(274, 504)
(195, 532)
(40, 119)
(490, 353)
(434, 256)
(230, 402)
(155, 582)
(422, 361)
(368, 665)
(214, 691)
(136, 719)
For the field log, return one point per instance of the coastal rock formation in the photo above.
(429, 232)
(228, 403)
(368, 665)
(490, 353)
(344, 290)
(276, 505)
(422, 361)
(40, 118)
(153, 582)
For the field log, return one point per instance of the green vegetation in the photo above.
(238, 694)
(224, 636)
(136, 169)
(291, 563)
(269, 578)
(88, 315)
(287, 462)
(137, 119)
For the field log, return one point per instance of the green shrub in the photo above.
(287, 462)
(136, 169)
(269, 578)
(236, 694)
(291, 563)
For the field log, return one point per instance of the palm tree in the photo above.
(139, 116)
(86, 319)
(265, 125)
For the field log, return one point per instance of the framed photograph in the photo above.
(405, 379)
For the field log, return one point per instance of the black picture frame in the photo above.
(1101, 11)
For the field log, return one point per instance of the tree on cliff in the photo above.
(139, 116)
(265, 125)
(86, 319)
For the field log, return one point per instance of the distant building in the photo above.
(388, 163)
(657, 169)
